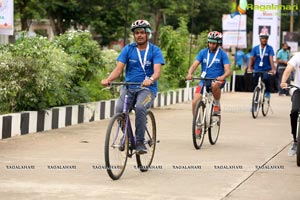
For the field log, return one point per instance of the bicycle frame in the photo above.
(207, 99)
(261, 85)
(203, 120)
(120, 141)
(128, 126)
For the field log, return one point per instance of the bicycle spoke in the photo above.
(144, 161)
(116, 147)
(214, 127)
(199, 129)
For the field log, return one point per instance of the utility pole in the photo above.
(125, 24)
(292, 17)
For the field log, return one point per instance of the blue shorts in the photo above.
(199, 88)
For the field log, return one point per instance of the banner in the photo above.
(6, 17)
(234, 31)
(266, 18)
(238, 22)
(234, 39)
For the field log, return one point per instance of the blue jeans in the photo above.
(141, 100)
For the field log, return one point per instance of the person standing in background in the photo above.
(239, 58)
(282, 58)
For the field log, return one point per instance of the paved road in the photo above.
(249, 160)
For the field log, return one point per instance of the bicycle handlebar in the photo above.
(204, 79)
(125, 83)
(260, 72)
(293, 86)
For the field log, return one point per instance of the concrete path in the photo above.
(249, 160)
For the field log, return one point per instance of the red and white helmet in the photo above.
(141, 23)
(215, 37)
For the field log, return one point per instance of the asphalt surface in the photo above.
(249, 160)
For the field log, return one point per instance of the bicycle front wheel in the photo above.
(214, 127)
(265, 105)
(198, 129)
(255, 102)
(116, 147)
(144, 161)
(298, 141)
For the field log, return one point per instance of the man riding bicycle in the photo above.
(293, 65)
(143, 62)
(214, 64)
(262, 60)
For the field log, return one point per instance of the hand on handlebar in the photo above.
(249, 71)
(147, 82)
(105, 82)
(272, 72)
(219, 79)
(283, 85)
(189, 77)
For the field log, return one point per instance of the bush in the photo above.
(85, 51)
(38, 74)
(35, 74)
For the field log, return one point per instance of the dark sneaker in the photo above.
(122, 146)
(140, 148)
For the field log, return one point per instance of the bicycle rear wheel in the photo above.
(116, 147)
(144, 161)
(255, 102)
(298, 141)
(265, 105)
(198, 129)
(214, 127)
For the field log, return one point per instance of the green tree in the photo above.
(174, 44)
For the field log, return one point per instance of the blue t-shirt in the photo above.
(239, 57)
(217, 67)
(283, 55)
(266, 60)
(134, 69)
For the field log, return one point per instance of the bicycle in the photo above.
(203, 119)
(298, 131)
(120, 142)
(259, 97)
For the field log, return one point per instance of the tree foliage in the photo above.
(110, 20)
(35, 74)
(38, 74)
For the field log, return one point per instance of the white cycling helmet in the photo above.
(141, 23)
(215, 37)
(264, 35)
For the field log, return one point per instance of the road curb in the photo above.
(26, 122)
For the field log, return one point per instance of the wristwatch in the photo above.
(152, 79)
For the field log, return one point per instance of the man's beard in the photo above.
(213, 48)
(141, 42)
